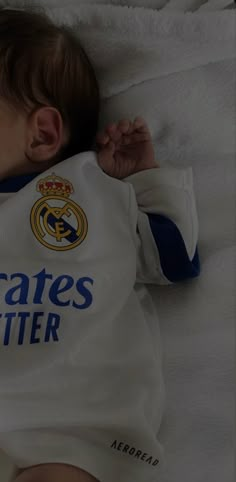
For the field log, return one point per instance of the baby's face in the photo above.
(12, 140)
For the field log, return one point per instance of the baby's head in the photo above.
(49, 94)
(49, 109)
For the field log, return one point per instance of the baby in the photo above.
(86, 221)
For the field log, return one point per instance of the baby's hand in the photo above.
(126, 148)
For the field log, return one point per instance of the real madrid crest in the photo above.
(58, 222)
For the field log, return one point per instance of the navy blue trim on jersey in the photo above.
(14, 184)
(174, 258)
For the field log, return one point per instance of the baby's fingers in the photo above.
(141, 126)
(135, 138)
(125, 127)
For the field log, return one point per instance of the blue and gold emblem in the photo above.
(56, 221)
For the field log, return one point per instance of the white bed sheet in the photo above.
(191, 113)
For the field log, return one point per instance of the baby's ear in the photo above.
(45, 135)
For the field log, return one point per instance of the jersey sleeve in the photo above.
(165, 225)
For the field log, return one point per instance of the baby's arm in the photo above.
(163, 210)
(164, 219)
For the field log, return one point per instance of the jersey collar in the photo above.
(14, 184)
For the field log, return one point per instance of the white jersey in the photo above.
(80, 354)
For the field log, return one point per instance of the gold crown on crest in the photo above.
(55, 185)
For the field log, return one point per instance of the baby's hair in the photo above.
(42, 63)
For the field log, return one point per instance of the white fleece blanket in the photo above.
(176, 5)
(177, 69)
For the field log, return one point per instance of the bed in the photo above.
(173, 62)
